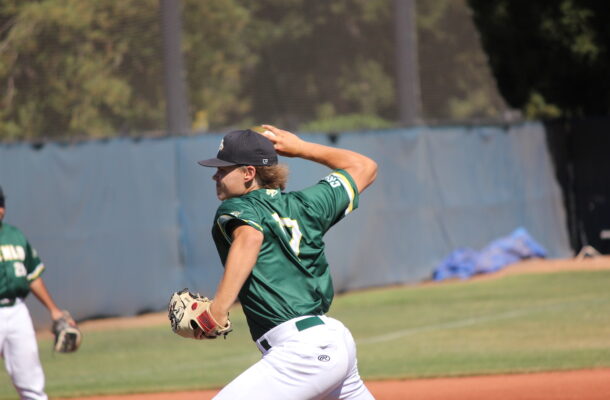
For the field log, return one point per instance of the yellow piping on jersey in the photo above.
(36, 273)
(348, 188)
(257, 226)
(222, 220)
(221, 226)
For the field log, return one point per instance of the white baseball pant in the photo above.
(19, 349)
(303, 358)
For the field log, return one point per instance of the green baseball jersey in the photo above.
(19, 265)
(291, 276)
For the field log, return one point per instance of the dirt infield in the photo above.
(564, 385)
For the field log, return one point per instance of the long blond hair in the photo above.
(272, 177)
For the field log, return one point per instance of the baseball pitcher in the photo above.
(271, 245)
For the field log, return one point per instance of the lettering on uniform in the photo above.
(333, 180)
(10, 253)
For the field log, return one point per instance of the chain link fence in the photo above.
(73, 70)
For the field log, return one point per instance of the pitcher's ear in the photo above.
(249, 172)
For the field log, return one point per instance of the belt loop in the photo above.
(265, 344)
(308, 323)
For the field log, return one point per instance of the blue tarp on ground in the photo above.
(464, 263)
(122, 223)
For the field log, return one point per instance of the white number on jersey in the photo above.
(295, 232)
(19, 269)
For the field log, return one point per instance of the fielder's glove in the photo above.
(190, 317)
(67, 336)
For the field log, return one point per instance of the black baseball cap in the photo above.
(244, 147)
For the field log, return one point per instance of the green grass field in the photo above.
(518, 323)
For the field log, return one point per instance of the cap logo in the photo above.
(265, 161)
(222, 145)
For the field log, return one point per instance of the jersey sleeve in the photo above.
(335, 196)
(234, 212)
(32, 263)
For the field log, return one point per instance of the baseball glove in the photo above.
(190, 317)
(67, 337)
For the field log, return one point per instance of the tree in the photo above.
(550, 58)
(330, 65)
(319, 60)
(456, 80)
(218, 57)
(75, 69)
(68, 68)
(71, 68)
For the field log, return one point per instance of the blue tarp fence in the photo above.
(122, 223)
(464, 263)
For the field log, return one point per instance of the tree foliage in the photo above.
(550, 57)
(70, 68)
(74, 69)
(218, 59)
(94, 68)
(321, 59)
(455, 76)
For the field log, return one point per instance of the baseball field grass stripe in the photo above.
(525, 323)
(483, 319)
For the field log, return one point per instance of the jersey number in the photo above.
(295, 232)
(19, 269)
